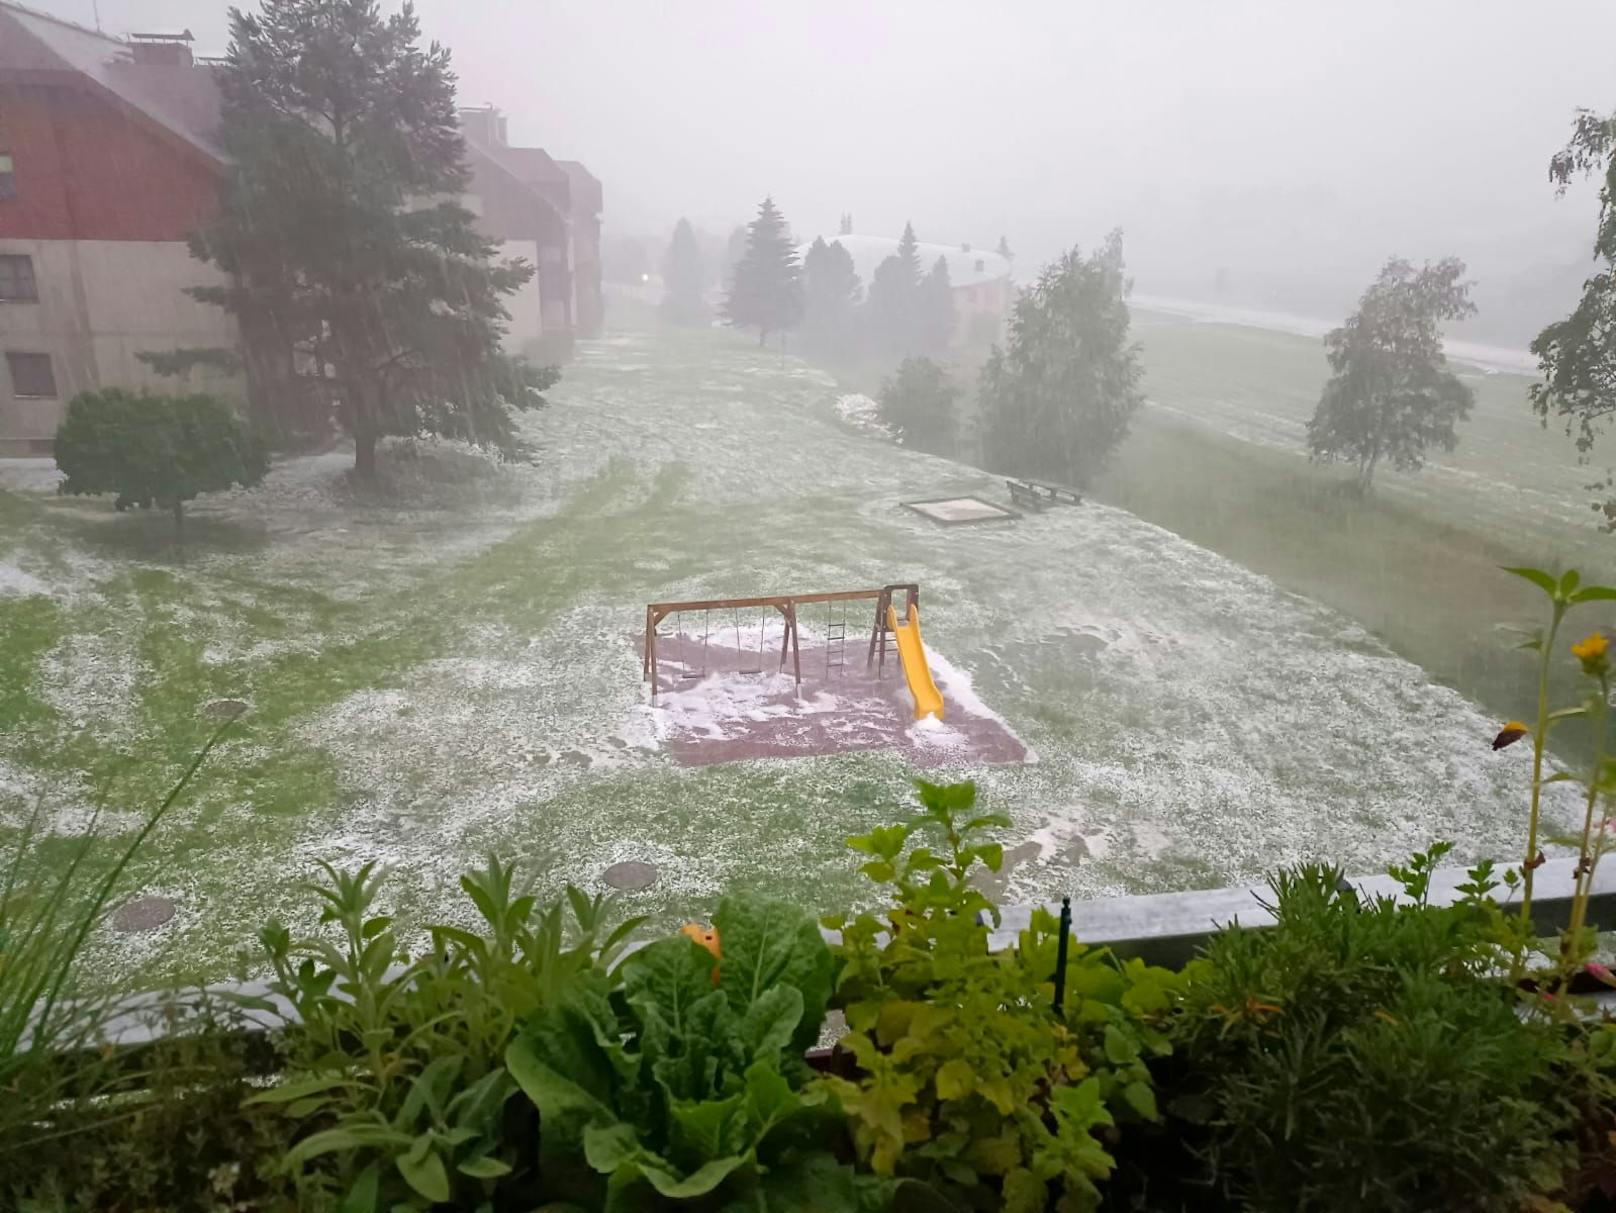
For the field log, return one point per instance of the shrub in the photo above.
(684, 1081)
(395, 1087)
(1363, 1055)
(920, 405)
(57, 1080)
(969, 1081)
(154, 450)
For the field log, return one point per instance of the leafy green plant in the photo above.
(50, 1066)
(154, 450)
(1362, 1054)
(1599, 779)
(969, 1081)
(680, 1082)
(396, 1084)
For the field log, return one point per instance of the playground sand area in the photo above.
(729, 694)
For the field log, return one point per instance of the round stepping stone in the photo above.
(143, 914)
(631, 874)
(224, 709)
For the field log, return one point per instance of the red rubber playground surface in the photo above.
(724, 697)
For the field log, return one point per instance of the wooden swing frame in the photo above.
(786, 604)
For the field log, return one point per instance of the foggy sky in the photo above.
(1279, 138)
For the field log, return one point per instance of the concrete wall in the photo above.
(527, 318)
(100, 303)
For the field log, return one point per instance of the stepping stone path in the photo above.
(631, 874)
(142, 914)
(224, 709)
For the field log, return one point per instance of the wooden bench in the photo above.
(1025, 496)
(1056, 494)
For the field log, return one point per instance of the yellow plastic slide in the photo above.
(928, 700)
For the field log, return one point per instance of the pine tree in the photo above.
(936, 309)
(1004, 249)
(846, 228)
(684, 277)
(767, 288)
(830, 289)
(1391, 394)
(1056, 400)
(336, 227)
(909, 254)
(894, 304)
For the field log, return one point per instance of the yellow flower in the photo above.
(1591, 649)
(1512, 732)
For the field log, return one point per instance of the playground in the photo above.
(721, 694)
(427, 681)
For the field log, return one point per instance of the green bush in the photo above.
(1363, 1055)
(395, 1088)
(679, 1081)
(969, 1082)
(154, 450)
(920, 405)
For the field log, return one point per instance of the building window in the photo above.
(17, 280)
(8, 178)
(31, 375)
(981, 264)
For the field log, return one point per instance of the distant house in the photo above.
(980, 277)
(547, 212)
(107, 163)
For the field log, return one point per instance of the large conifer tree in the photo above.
(684, 277)
(351, 264)
(830, 288)
(894, 304)
(766, 292)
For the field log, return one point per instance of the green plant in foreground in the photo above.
(396, 1086)
(969, 1081)
(49, 1030)
(1599, 783)
(1364, 1055)
(675, 1081)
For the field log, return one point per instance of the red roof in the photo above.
(181, 98)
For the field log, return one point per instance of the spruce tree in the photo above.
(830, 289)
(684, 277)
(936, 309)
(340, 233)
(894, 304)
(909, 254)
(846, 228)
(1004, 249)
(766, 292)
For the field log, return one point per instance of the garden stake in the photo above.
(1060, 956)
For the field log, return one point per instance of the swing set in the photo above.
(682, 639)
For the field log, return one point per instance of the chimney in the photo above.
(162, 50)
(483, 125)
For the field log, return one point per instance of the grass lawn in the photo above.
(432, 680)
(1218, 457)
